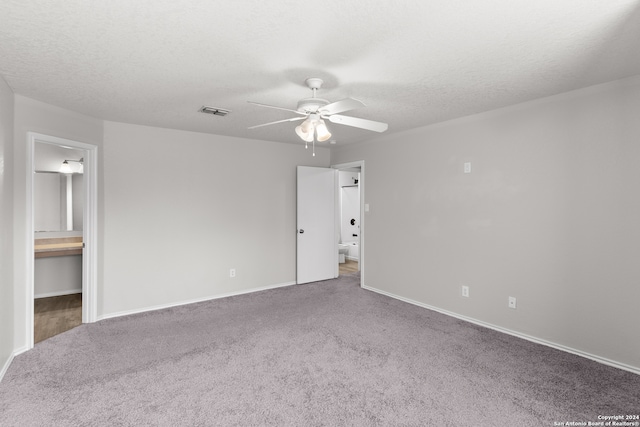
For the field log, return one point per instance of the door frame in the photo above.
(89, 233)
(349, 165)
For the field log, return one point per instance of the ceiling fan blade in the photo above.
(358, 123)
(342, 105)
(278, 108)
(293, 119)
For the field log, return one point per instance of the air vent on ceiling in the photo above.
(215, 111)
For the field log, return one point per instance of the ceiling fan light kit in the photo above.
(304, 135)
(313, 124)
(322, 132)
(315, 111)
(308, 125)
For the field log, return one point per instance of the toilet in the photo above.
(343, 251)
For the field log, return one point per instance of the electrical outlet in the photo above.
(512, 302)
(467, 167)
(232, 272)
(465, 291)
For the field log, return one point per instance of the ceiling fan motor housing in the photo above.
(311, 105)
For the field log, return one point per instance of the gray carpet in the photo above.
(327, 353)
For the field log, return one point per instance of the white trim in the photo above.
(361, 237)
(29, 236)
(560, 347)
(20, 350)
(90, 225)
(336, 220)
(6, 365)
(58, 293)
(90, 238)
(193, 301)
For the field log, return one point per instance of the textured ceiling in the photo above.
(412, 63)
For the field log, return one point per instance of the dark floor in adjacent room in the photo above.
(348, 267)
(55, 315)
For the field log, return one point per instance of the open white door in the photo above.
(317, 248)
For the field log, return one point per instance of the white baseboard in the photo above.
(603, 360)
(58, 293)
(192, 301)
(7, 363)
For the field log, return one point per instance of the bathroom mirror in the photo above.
(57, 201)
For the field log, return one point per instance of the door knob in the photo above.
(301, 231)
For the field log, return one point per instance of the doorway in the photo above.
(350, 211)
(80, 242)
(58, 200)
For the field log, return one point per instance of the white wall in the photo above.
(77, 201)
(182, 208)
(550, 215)
(60, 275)
(47, 191)
(36, 116)
(6, 226)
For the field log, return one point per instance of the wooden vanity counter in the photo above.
(58, 246)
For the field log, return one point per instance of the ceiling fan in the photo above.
(314, 111)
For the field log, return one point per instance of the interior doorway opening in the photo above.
(58, 214)
(350, 214)
(76, 229)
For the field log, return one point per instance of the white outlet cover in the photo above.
(467, 167)
(465, 291)
(512, 302)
